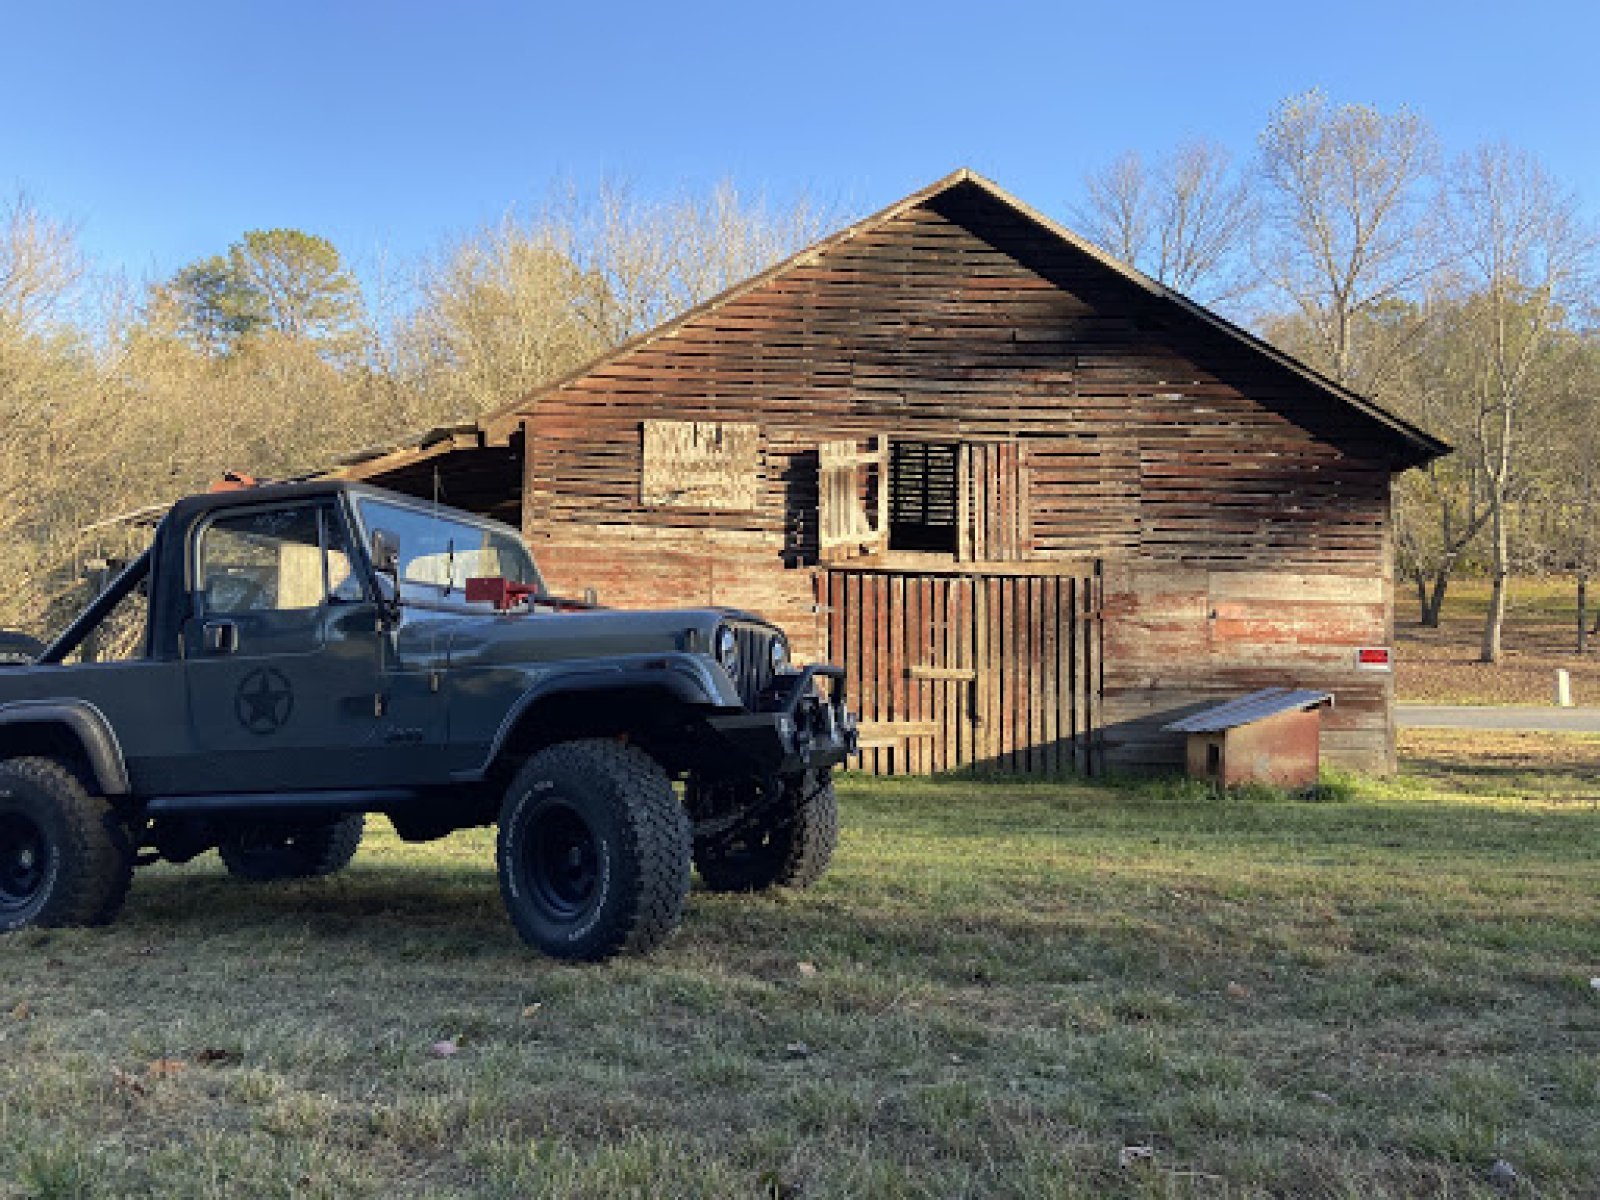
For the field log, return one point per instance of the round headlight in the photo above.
(726, 648)
(780, 653)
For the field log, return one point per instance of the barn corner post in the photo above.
(1034, 503)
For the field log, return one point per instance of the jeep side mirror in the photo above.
(386, 553)
(386, 566)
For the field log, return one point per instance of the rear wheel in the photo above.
(263, 853)
(65, 858)
(789, 843)
(593, 851)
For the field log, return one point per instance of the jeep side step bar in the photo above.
(350, 800)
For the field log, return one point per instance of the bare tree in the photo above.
(500, 313)
(1349, 223)
(657, 258)
(1119, 212)
(528, 299)
(1527, 255)
(1186, 221)
(1440, 510)
(41, 266)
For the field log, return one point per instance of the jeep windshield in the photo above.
(440, 551)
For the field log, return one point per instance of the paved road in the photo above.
(1524, 718)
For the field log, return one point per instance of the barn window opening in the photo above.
(924, 482)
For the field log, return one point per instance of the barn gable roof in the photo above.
(1412, 445)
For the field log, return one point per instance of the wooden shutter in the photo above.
(996, 517)
(852, 498)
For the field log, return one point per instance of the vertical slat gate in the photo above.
(994, 673)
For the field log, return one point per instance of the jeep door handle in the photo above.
(219, 637)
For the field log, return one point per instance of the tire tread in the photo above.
(810, 831)
(654, 828)
(97, 841)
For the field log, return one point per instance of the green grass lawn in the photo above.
(997, 989)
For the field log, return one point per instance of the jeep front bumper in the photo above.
(805, 731)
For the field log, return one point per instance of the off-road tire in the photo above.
(18, 649)
(593, 851)
(79, 855)
(791, 847)
(264, 855)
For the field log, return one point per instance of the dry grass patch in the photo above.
(999, 989)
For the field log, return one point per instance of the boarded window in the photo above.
(852, 498)
(923, 490)
(996, 508)
(701, 464)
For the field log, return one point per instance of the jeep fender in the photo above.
(684, 678)
(86, 725)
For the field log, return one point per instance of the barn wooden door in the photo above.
(996, 673)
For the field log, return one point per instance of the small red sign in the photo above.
(1375, 658)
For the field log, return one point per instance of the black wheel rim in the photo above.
(24, 862)
(562, 860)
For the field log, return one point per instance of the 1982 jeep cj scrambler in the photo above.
(314, 652)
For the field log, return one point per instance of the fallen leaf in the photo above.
(531, 1010)
(445, 1049)
(1238, 991)
(807, 970)
(122, 1081)
(165, 1068)
(22, 1011)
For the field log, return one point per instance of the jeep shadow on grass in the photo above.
(316, 652)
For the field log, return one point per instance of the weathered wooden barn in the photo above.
(1038, 504)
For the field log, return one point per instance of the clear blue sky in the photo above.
(164, 130)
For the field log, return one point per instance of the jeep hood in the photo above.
(520, 637)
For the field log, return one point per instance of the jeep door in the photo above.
(284, 658)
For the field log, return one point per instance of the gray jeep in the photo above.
(314, 652)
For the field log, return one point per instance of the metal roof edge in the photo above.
(1243, 710)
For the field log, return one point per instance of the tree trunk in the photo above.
(1435, 603)
(1495, 620)
(1583, 612)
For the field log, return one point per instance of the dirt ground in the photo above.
(1440, 666)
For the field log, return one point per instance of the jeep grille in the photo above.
(755, 662)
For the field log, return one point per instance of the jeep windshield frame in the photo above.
(441, 548)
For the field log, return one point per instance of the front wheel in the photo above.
(65, 859)
(265, 853)
(788, 842)
(593, 851)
